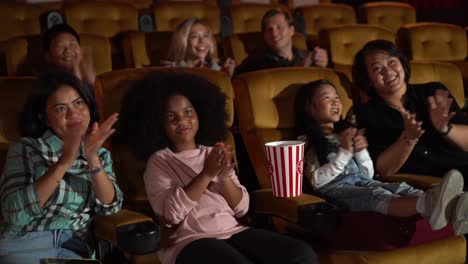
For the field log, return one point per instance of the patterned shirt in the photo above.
(73, 203)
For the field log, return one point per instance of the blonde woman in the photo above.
(193, 45)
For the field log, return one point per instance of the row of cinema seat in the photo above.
(419, 41)
(112, 30)
(93, 17)
(245, 17)
(263, 102)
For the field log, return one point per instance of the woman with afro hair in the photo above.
(177, 123)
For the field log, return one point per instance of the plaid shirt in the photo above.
(73, 203)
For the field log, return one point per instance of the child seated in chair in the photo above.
(338, 166)
(190, 179)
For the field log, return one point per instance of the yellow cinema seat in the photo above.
(168, 15)
(320, 16)
(430, 41)
(248, 17)
(344, 41)
(391, 15)
(101, 18)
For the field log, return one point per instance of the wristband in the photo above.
(95, 170)
(449, 127)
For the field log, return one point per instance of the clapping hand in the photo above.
(412, 128)
(439, 110)
(317, 57)
(359, 140)
(228, 162)
(98, 135)
(346, 138)
(320, 57)
(219, 162)
(214, 161)
(71, 144)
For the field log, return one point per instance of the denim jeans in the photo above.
(31, 247)
(361, 193)
(371, 195)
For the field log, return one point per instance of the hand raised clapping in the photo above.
(219, 161)
(353, 140)
(346, 138)
(71, 145)
(359, 140)
(439, 110)
(320, 57)
(412, 128)
(98, 135)
(317, 57)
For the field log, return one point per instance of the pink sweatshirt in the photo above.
(165, 176)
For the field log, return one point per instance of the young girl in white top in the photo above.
(338, 166)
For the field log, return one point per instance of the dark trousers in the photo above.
(249, 246)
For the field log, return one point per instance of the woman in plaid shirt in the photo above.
(57, 177)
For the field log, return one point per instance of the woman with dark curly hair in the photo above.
(190, 183)
(57, 177)
(411, 128)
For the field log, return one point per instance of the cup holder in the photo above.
(140, 238)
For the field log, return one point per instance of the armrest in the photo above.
(105, 227)
(289, 208)
(416, 180)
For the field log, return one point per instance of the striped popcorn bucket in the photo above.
(285, 160)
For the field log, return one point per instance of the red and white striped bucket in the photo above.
(285, 160)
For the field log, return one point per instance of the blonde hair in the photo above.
(178, 48)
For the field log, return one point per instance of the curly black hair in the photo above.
(141, 125)
(305, 124)
(33, 120)
(359, 70)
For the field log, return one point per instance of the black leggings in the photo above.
(249, 246)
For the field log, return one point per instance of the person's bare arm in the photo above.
(393, 158)
(100, 182)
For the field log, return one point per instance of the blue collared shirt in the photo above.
(73, 203)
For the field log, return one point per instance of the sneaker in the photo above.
(437, 198)
(458, 215)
